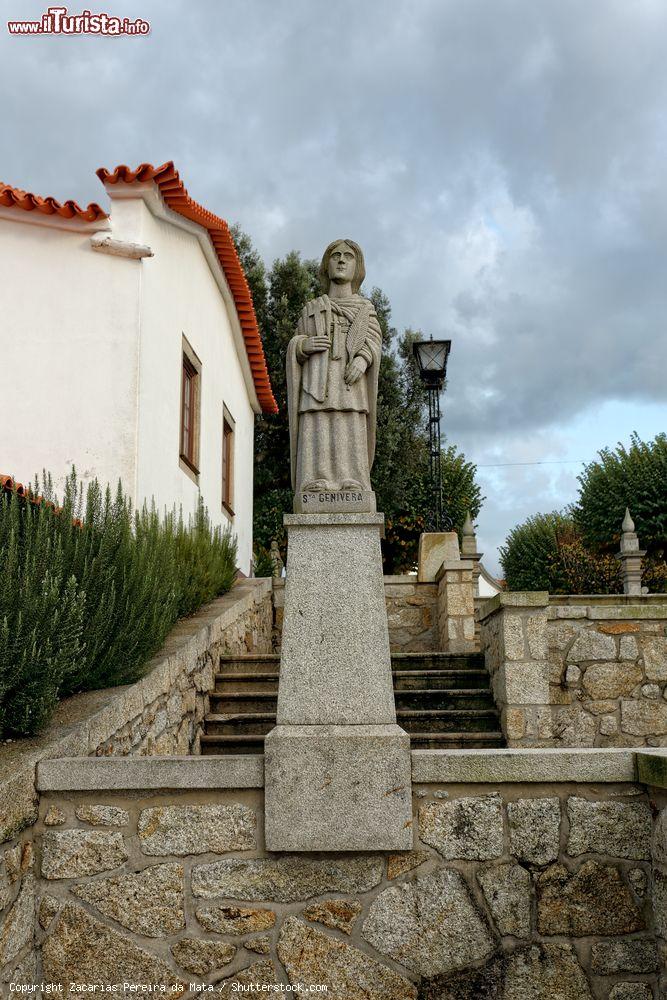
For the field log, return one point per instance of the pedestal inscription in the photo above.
(335, 502)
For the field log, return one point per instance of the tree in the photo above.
(400, 471)
(573, 553)
(634, 477)
(529, 556)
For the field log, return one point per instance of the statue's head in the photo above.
(343, 260)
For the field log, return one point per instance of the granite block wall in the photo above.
(578, 671)
(512, 890)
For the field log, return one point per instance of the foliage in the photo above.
(577, 570)
(400, 470)
(41, 616)
(205, 560)
(654, 575)
(529, 556)
(262, 564)
(89, 592)
(634, 477)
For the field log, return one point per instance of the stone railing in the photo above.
(578, 671)
(550, 866)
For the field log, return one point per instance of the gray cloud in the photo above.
(502, 163)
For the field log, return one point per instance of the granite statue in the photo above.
(333, 363)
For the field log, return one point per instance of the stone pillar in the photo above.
(514, 641)
(469, 550)
(456, 606)
(435, 548)
(338, 768)
(630, 557)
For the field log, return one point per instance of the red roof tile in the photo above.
(178, 200)
(11, 197)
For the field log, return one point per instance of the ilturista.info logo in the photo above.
(58, 21)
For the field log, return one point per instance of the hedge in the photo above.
(89, 591)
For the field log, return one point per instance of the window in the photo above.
(190, 398)
(227, 462)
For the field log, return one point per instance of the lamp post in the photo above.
(432, 358)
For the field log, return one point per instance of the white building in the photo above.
(130, 348)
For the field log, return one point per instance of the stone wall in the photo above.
(584, 671)
(412, 614)
(456, 607)
(160, 714)
(609, 661)
(531, 875)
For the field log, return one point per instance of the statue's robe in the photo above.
(332, 424)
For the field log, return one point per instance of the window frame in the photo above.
(191, 368)
(228, 448)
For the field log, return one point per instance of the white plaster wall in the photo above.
(180, 298)
(68, 354)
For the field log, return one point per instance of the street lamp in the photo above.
(432, 358)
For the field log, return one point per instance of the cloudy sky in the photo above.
(502, 162)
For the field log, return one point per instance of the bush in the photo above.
(85, 603)
(577, 570)
(205, 560)
(634, 477)
(529, 556)
(41, 616)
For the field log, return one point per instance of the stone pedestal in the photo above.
(337, 765)
(338, 788)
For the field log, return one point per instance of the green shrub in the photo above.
(577, 570)
(88, 593)
(262, 564)
(634, 477)
(41, 616)
(529, 556)
(205, 561)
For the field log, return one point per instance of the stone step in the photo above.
(232, 745)
(251, 701)
(252, 663)
(240, 724)
(410, 680)
(456, 721)
(437, 661)
(222, 744)
(412, 720)
(404, 680)
(444, 700)
(457, 741)
(249, 663)
(260, 683)
(224, 702)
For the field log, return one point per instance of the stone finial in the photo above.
(469, 549)
(630, 557)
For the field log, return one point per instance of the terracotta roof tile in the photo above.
(11, 197)
(177, 198)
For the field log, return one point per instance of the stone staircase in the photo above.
(442, 700)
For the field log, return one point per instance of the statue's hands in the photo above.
(313, 345)
(355, 370)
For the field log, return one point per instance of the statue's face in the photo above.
(342, 263)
